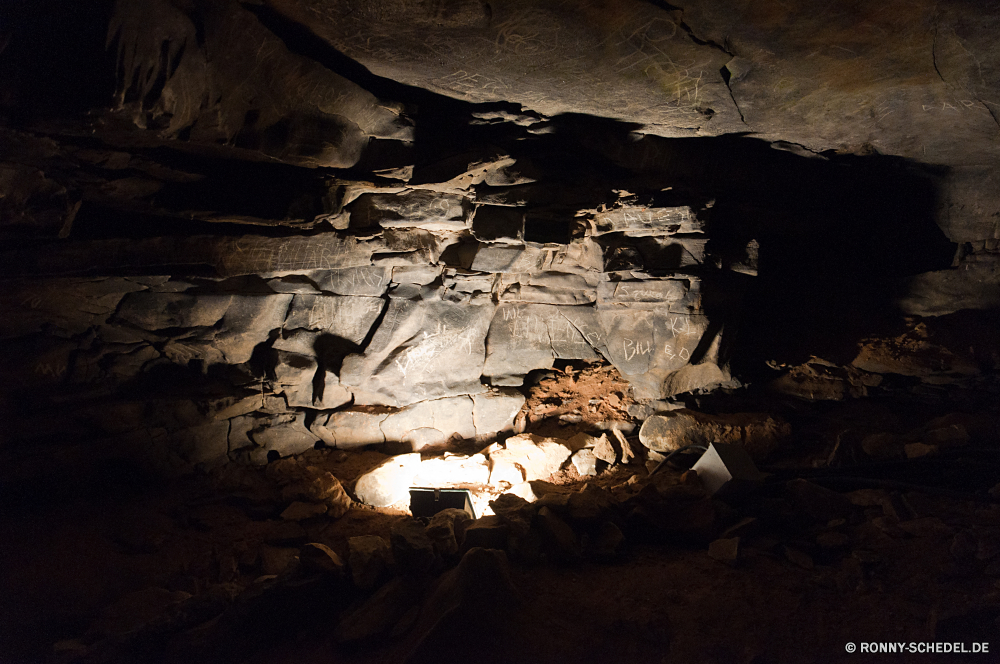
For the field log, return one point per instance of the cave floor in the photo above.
(907, 566)
(70, 570)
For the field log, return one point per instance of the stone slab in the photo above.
(349, 318)
(421, 350)
(390, 482)
(524, 337)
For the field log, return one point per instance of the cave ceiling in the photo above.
(917, 80)
(327, 83)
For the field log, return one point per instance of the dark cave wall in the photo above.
(264, 246)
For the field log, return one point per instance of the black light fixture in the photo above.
(426, 502)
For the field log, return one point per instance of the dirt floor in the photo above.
(905, 562)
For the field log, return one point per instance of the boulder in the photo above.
(833, 540)
(317, 485)
(299, 511)
(882, 445)
(523, 490)
(589, 504)
(979, 426)
(277, 559)
(949, 435)
(488, 532)
(133, 610)
(930, 526)
(452, 470)
(504, 471)
(316, 557)
(412, 549)
(683, 514)
(554, 500)
(379, 613)
(390, 482)
(559, 537)
(479, 591)
(759, 434)
(799, 558)
(604, 450)
(515, 511)
(368, 557)
(537, 457)
(446, 530)
(743, 528)
(725, 550)
(285, 533)
(917, 450)
(585, 462)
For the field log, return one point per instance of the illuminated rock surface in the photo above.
(262, 259)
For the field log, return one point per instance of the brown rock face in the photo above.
(758, 433)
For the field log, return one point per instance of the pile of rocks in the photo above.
(508, 466)
(511, 466)
(308, 490)
(561, 526)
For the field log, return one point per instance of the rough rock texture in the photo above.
(238, 243)
(292, 84)
(534, 457)
(759, 434)
(245, 233)
(368, 559)
(390, 482)
(808, 77)
(446, 530)
(423, 350)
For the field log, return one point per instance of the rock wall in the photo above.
(342, 340)
(251, 244)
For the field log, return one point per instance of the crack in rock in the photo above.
(724, 72)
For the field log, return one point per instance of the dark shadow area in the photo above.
(227, 189)
(835, 239)
(52, 58)
(834, 235)
(330, 352)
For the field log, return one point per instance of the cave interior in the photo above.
(270, 265)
